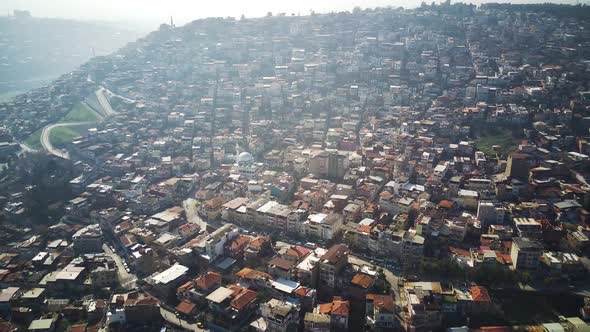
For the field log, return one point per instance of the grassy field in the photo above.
(497, 136)
(34, 141)
(60, 136)
(80, 112)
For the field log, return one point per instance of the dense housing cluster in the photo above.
(384, 169)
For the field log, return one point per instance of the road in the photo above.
(25, 148)
(112, 94)
(127, 280)
(389, 276)
(104, 103)
(171, 318)
(46, 142)
(192, 215)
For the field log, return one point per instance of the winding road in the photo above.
(45, 133)
(46, 142)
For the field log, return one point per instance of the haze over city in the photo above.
(362, 166)
(158, 11)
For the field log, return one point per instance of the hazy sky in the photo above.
(157, 11)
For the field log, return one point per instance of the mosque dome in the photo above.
(245, 157)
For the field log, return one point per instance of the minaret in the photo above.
(171, 22)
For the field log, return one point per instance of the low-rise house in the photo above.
(199, 288)
(316, 322)
(338, 310)
(332, 263)
(280, 316)
(380, 311)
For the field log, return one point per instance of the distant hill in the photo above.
(34, 51)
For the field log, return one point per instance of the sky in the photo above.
(183, 11)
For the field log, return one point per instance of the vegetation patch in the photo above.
(503, 137)
(81, 112)
(60, 136)
(34, 141)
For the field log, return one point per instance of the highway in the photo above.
(103, 101)
(46, 142)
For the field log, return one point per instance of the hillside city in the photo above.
(382, 169)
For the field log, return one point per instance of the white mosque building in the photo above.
(247, 166)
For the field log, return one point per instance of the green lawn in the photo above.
(34, 141)
(497, 136)
(60, 136)
(80, 112)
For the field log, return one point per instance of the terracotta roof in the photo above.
(258, 242)
(302, 251)
(302, 291)
(446, 204)
(248, 273)
(208, 280)
(480, 294)
(460, 252)
(78, 328)
(363, 280)
(383, 302)
(334, 254)
(186, 307)
(185, 286)
(494, 329)
(336, 307)
(214, 203)
(281, 263)
(240, 242)
(365, 228)
(243, 299)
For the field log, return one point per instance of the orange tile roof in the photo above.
(243, 299)
(480, 294)
(240, 242)
(185, 286)
(365, 228)
(258, 242)
(446, 204)
(334, 254)
(460, 252)
(185, 307)
(248, 273)
(281, 263)
(336, 307)
(495, 329)
(383, 302)
(362, 280)
(208, 280)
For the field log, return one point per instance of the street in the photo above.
(127, 280)
(171, 318)
(192, 215)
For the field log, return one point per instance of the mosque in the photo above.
(247, 166)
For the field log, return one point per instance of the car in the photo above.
(200, 325)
